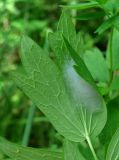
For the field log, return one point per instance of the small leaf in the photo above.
(107, 24)
(66, 27)
(82, 69)
(96, 64)
(18, 152)
(82, 6)
(115, 50)
(71, 151)
(113, 149)
(79, 44)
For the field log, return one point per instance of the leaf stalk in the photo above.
(91, 148)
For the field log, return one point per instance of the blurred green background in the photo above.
(35, 18)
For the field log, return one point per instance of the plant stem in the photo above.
(73, 11)
(88, 139)
(111, 58)
(28, 126)
(91, 148)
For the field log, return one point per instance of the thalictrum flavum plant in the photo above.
(72, 88)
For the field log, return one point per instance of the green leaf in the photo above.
(101, 1)
(56, 40)
(96, 64)
(112, 5)
(71, 151)
(62, 53)
(43, 83)
(115, 50)
(70, 103)
(113, 149)
(80, 65)
(79, 44)
(108, 24)
(45, 87)
(65, 27)
(82, 6)
(18, 152)
(112, 121)
(64, 59)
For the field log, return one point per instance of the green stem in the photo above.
(88, 138)
(28, 126)
(73, 11)
(111, 58)
(91, 148)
